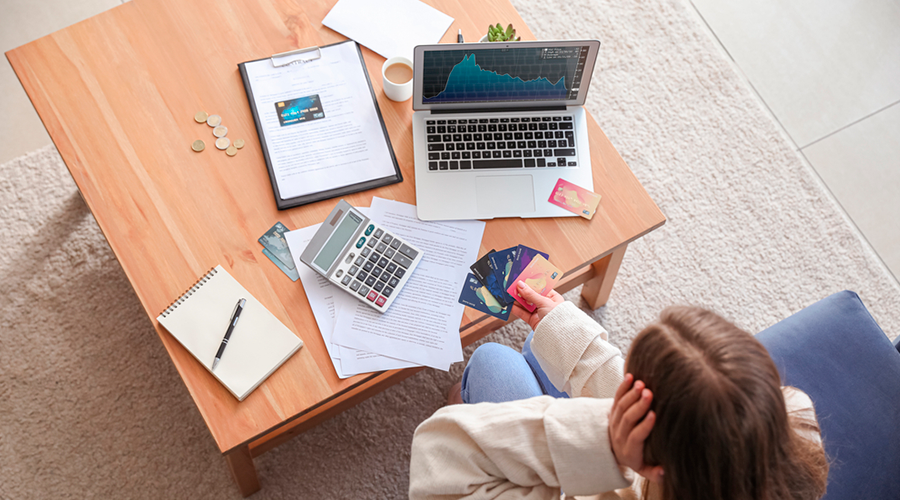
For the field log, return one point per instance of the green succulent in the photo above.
(498, 34)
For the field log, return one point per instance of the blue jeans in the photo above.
(497, 373)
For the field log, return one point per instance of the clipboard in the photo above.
(299, 57)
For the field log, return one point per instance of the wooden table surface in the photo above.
(118, 93)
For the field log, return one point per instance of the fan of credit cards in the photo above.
(491, 286)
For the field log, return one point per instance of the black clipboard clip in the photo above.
(299, 56)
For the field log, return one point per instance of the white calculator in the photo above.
(361, 257)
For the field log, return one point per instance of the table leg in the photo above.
(241, 464)
(596, 291)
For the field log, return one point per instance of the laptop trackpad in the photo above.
(504, 195)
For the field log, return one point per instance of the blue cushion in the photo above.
(835, 352)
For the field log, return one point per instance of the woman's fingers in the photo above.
(521, 312)
(636, 411)
(642, 430)
(555, 297)
(620, 391)
(622, 405)
(530, 295)
(527, 292)
(623, 387)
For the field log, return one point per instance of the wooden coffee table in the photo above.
(118, 93)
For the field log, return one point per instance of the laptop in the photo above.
(496, 125)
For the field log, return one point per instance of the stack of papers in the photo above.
(422, 325)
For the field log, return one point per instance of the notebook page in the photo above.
(259, 344)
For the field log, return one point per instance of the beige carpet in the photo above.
(91, 407)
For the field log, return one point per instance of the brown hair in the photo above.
(722, 429)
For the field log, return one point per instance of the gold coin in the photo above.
(223, 142)
(201, 117)
(239, 143)
(220, 131)
(231, 151)
(198, 145)
(214, 120)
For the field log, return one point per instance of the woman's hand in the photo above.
(630, 423)
(544, 304)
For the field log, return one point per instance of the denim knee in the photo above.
(496, 373)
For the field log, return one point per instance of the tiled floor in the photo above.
(829, 71)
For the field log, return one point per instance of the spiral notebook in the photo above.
(258, 345)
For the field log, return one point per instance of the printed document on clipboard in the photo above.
(319, 125)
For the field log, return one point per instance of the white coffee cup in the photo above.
(403, 67)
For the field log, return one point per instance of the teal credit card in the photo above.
(274, 241)
(299, 110)
(291, 273)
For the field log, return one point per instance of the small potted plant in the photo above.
(498, 34)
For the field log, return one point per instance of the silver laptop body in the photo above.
(531, 94)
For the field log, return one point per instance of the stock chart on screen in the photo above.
(502, 75)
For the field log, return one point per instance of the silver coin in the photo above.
(214, 120)
(223, 142)
(220, 131)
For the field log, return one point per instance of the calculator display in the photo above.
(330, 251)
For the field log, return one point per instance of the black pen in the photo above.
(459, 38)
(235, 316)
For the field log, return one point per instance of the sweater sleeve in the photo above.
(527, 449)
(573, 351)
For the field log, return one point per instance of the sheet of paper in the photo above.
(422, 325)
(319, 120)
(389, 27)
(319, 291)
(354, 361)
(326, 300)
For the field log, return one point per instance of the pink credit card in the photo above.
(574, 198)
(540, 275)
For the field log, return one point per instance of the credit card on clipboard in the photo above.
(299, 110)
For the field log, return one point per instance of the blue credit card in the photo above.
(293, 274)
(501, 264)
(299, 110)
(476, 296)
(485, 274)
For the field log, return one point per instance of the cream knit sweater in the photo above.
(533, 448)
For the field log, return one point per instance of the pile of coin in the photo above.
(219, 131)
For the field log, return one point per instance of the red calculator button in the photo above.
(381, 300)
(372, 295)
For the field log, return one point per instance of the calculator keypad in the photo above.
(374, 267)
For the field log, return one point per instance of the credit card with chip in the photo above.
(501, 263)
(476, 296)
(274, 241)
(574, 198)
(485, 274)
(299, 110)
(540, 275)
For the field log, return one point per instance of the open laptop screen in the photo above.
(500, 74)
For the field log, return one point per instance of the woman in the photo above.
(698, 414)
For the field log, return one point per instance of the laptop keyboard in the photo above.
(483, 143)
